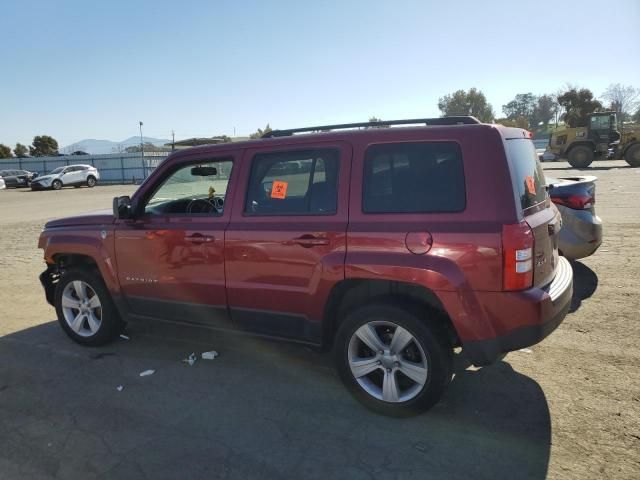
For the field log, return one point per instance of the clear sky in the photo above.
(85, 69)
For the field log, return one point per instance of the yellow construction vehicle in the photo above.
(581, 145)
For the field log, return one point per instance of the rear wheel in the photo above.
(632, 155)
(580, 156)
(394, 361)
(91, 181)
(85, 309)
(56, 184)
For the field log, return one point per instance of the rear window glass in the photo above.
(526, 172)
(414, 178)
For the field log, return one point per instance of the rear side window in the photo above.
(293, 183)
(526, 172)
(414, 178)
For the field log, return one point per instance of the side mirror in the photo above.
(122, 207)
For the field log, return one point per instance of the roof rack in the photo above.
(457, 120)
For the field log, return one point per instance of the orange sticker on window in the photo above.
(531, 184)
(279, 189)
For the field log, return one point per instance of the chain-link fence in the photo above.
(113, 168)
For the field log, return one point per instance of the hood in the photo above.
(97, 217)
(45, 177)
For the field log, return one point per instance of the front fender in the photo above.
(86, 243)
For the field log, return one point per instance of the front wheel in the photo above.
(632, 155)
(85, 309)
(56, 185)
(581, 156)
(393, 360)
(91, 182)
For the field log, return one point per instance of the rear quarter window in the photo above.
(424, 177)
(526, 172)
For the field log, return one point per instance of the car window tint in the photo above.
(293, 183)
(526, 172)
(414, 178)
(194, 189)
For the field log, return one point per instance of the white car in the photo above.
(2, 185)
(71, 175)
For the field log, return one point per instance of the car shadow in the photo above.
(585, 283)
(262, 409)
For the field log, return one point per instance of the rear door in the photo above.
(541, 215)
(286, 242)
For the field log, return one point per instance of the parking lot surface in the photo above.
(566, 408)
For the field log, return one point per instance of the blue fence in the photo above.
(113, 168)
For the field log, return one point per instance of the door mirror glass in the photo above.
(122, 207)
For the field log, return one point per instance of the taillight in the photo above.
(576, 202)
(517, 251)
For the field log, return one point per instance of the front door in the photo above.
(171, 258)
(285, 244)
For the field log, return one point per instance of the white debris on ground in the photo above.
(146, 373)
(191, 359)
(209, 355)
(124, 337)
(525, 350)
(119, 388)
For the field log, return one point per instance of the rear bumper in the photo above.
(581, 233)
(535, 312)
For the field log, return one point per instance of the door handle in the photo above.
(310, 241)
(199, 238)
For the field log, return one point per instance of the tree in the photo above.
(472, 102)
(20, 150)
(623, 98)
(636, 116)
(545, 109)
(148, 147)
(5, 152)
(43, 145)
(518, 122)
(259, 133)
(522, 106)
(578, 104)
(376, 119)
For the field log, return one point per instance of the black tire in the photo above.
(425, 327)
(111, 325)
(91, 181)
(632, 155)
(56, 185)
(581, 156)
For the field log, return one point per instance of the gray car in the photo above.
(581, 232)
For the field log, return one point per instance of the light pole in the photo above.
(141, 144)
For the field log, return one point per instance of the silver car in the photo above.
(575, 198)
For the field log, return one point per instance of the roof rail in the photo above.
(457, 120)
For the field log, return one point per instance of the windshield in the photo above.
(57, 170)
(602, 122)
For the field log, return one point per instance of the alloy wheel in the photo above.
(81, 308)
(387, 361)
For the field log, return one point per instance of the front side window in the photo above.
(293, 183)
(414, 178)
(195, 189)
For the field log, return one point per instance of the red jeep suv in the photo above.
(392, 246)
